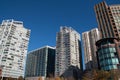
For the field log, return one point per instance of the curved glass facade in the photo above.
(108, 58)
(107, 54)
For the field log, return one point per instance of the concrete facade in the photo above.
(14, 39)
(108, 18)
(89, 39)
(68, 50)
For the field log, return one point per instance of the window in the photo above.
(112, 50)
(109, 61)
(111, 55)
(117, 62)
(114, 67)
(113, 61)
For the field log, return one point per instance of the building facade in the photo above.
(87, 50)
(40, 62)
(108, 53)
(89, 39)
(108, 18)
(68, 50)
(14, 40)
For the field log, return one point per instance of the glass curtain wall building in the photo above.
(40, 62)
(108, 53)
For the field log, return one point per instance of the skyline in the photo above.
(44, 18)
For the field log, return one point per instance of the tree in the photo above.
(115, 74)
(87, 75)
(20, 78)
(102, 75)
(57, 78)
(9, 78)
(40, 78)
(96, 75)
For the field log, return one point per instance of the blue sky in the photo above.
(44, 17)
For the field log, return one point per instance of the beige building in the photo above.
(108, 18)
(89, 39)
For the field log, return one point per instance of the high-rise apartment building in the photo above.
(94, 36)
(89, 39)
(108, 53)
(14, 40)
(108, 18)
(87, 50)
(40, 63)
(68, 50)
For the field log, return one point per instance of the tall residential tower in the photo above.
(14, 40)
(108, 18)
(68, 50)
(89, 39)
(108, 53)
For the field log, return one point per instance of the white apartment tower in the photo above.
(14, 40)
(87, 50)
(89, 39)
(68, 50)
